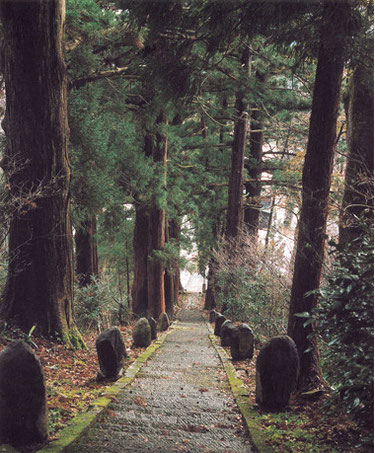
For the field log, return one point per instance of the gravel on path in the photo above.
(179, 402)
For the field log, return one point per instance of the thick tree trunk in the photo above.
(316, 184)
(87, 267)
(40, 275)
(235, 187)
(155, 267)
(358, 198)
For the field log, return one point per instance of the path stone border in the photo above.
(82, 422)
(241, 396)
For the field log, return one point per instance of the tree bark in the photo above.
(316, 184)
(168, 280)
(358, 201)
(172, 272)
(235, 189)
(140, 241)
(175, 233)
(155, 267)
(254, 169)
(141, 248)
(169, 292)
(39, 286)
(87, 267)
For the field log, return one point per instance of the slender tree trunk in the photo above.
(269, 225)
(175, 233)
(140, 282)
(155, 267)
(40, 275)
(358, 198)
(235, 189)
(141, 248)
(316, 184)
(168, 279)
(172, 280)
(87, 252)
(210, 299)
(254, 169)
(127, 270)
(169, 292)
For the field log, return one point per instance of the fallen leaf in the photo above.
(140, 401)
(110, 413)
(195, 429)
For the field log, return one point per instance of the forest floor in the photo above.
(307, 426)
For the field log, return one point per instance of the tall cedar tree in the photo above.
(155, 267)
(316, 185)
(141, 247)
(40, 276)
(359, 174)
(254, 168)
(235, 189)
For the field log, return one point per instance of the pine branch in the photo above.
(123, 72)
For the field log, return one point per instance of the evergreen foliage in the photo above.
(345, 322)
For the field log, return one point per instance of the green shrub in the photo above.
(97, 306)
(345, 322)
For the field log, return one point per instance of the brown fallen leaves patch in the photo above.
(70, 374)
(195, 429)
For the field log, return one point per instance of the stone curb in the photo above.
(82, 422)
(250, 415)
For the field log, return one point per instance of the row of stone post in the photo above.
(277, 364)
(23, 394)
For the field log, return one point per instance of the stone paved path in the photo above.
(179, 402)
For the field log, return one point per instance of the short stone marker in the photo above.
(142, 333)
(218, 323)
(277, 368)
(226, 332)
(242, 343)
(213, 314)
(163, 322)
(23, 400)
(111, 353)
(153, 326)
